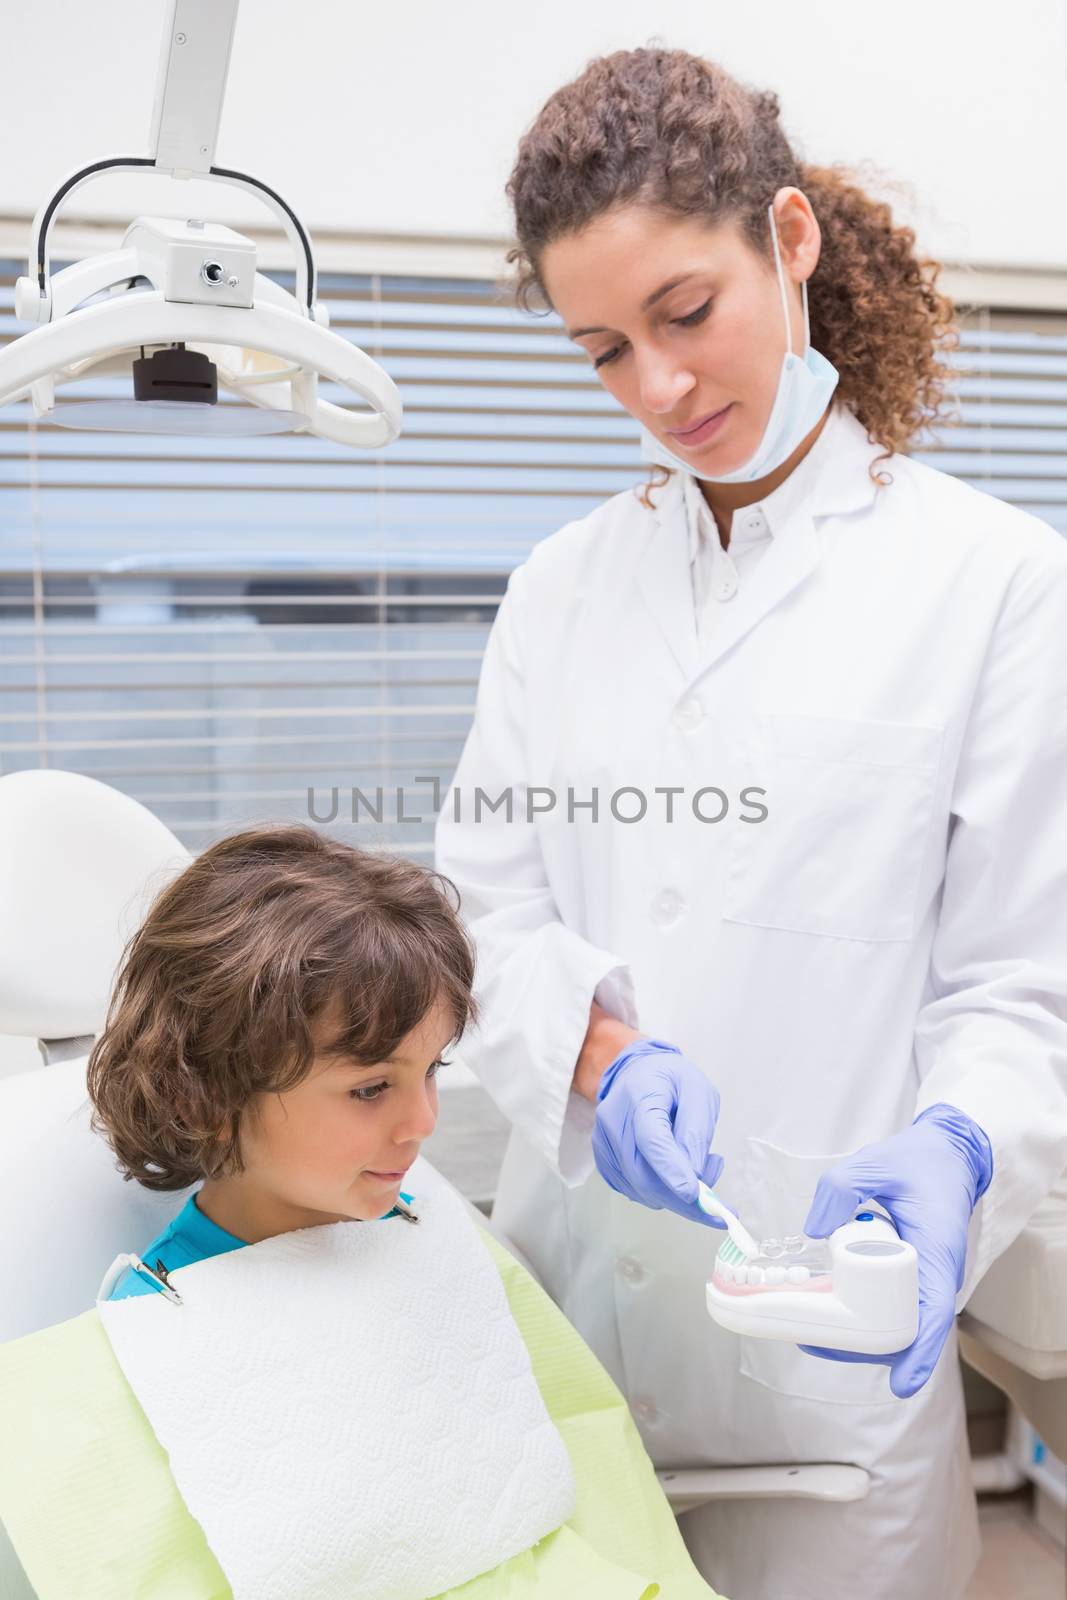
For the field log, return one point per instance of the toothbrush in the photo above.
(743, 1241)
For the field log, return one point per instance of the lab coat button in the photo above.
(631, 1270)
(666, 906)
(688, 715)
(726, 588)
(644, 1410)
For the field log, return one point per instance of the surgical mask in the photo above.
(805, 386)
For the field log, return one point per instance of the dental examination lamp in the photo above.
(180, 311)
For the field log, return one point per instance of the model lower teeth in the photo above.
(788, 1262)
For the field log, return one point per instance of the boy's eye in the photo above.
(369, 1094)
(373, 1091)
(688, 321)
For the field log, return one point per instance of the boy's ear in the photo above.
(187, 1113)
(184, 1109)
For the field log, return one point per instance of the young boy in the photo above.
(274, 1036)
(276, 1032)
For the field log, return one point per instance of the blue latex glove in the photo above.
(929, 1178)
(655, 1120)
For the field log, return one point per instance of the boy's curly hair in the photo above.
(675, 133)
(219, 988)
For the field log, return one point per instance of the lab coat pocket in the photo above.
(841, 850)
(779, 1186)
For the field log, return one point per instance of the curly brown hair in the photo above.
(219, 988)
(676, 134)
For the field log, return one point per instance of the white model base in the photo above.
(867, 1302)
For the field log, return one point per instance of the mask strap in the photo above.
(781, 286)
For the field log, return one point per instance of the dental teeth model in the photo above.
(857, 1290)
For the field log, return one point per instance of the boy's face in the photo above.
(337, 1146)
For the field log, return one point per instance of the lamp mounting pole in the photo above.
(194, 63)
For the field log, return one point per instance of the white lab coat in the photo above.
(894, 675)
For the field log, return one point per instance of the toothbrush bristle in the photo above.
(729, 1252)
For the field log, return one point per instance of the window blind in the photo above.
(1010, 386)
(225, 629)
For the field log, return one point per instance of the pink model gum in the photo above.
(819, 1285)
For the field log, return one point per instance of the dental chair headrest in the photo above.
(68, 1211)
(80, 864)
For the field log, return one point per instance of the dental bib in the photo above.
(304, 1381)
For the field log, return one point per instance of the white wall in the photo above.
(404, 117)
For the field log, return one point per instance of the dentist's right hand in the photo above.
(655, 1119)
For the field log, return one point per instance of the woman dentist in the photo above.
(771, 844)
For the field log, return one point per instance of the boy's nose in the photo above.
(417, 1119)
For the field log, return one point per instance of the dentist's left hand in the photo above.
(929, 1177)
(655, 1120)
